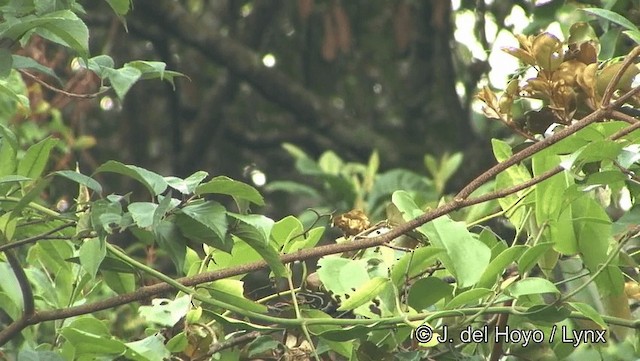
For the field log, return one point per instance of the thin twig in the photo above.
(61, 91)
(35, 238)
(611, 87)
(624, 117)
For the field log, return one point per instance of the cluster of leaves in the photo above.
(338, 186)
(58, 22)
(385, 286)
(569, 78)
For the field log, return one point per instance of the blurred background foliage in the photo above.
(318, 96)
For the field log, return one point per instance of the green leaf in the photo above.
(633, 35)
(105, 215)
(330, 163)
(120, 7)
(80, 179)
(531, 256)
(33, 193)
(154, 70)
(364, 293)
(122, 79)
(98, 64)
(178, 343)
(613, 17)
(13, 179)
(466, 257)
(342, 275)
(255, 230)
(349, 333)
(92, 252)
(120, 283)
(166, 312)
(512, 176)
(389, 182)
(232, 292)
(171, 240)
(548, 314)
(166, 205)
(284, 229)
(188, 185)
(205, 222)
(589, 311)
(6, 63)
(66, 28)
(8, 151)
(308, 240)
(427, 291)
(10, 285)
(499, 264)
(32, 355)
(414, 263)
(468, 297)
(149, 348)
(593, 232)
(90, 336)
(608, 42)
(238, 190)
(550, 208)
(260, 345)
(35, 160)
(142, 213)
(343, 348)
(18, 98)
(531, 286)
(23, 62)
(153, 181)
(294, 188)
(109, 264)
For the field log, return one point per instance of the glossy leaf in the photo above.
(469, 297)
(120, 283)
(413, 263)
(120, 7)
(531, 286)
(90, 336)
(466, 257)
(232, 292)
(80, 179)
(122, 79)
(154, 182)
(531, 256)
(169, 238)
(92, 252)
(613, 17)
(550, 208)
(427, 291)
(35, 159)
(589, 311)
(238, 190)
(166, 312)
(205, 222)
(367, 292)
(149, 348)
(187, 185)
(142, 213)
(255, 231)
(499, 265)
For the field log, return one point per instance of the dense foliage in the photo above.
(541, 248)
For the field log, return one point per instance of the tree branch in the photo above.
(62, 91)
(273, 84)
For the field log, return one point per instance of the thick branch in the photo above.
(273, 84)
